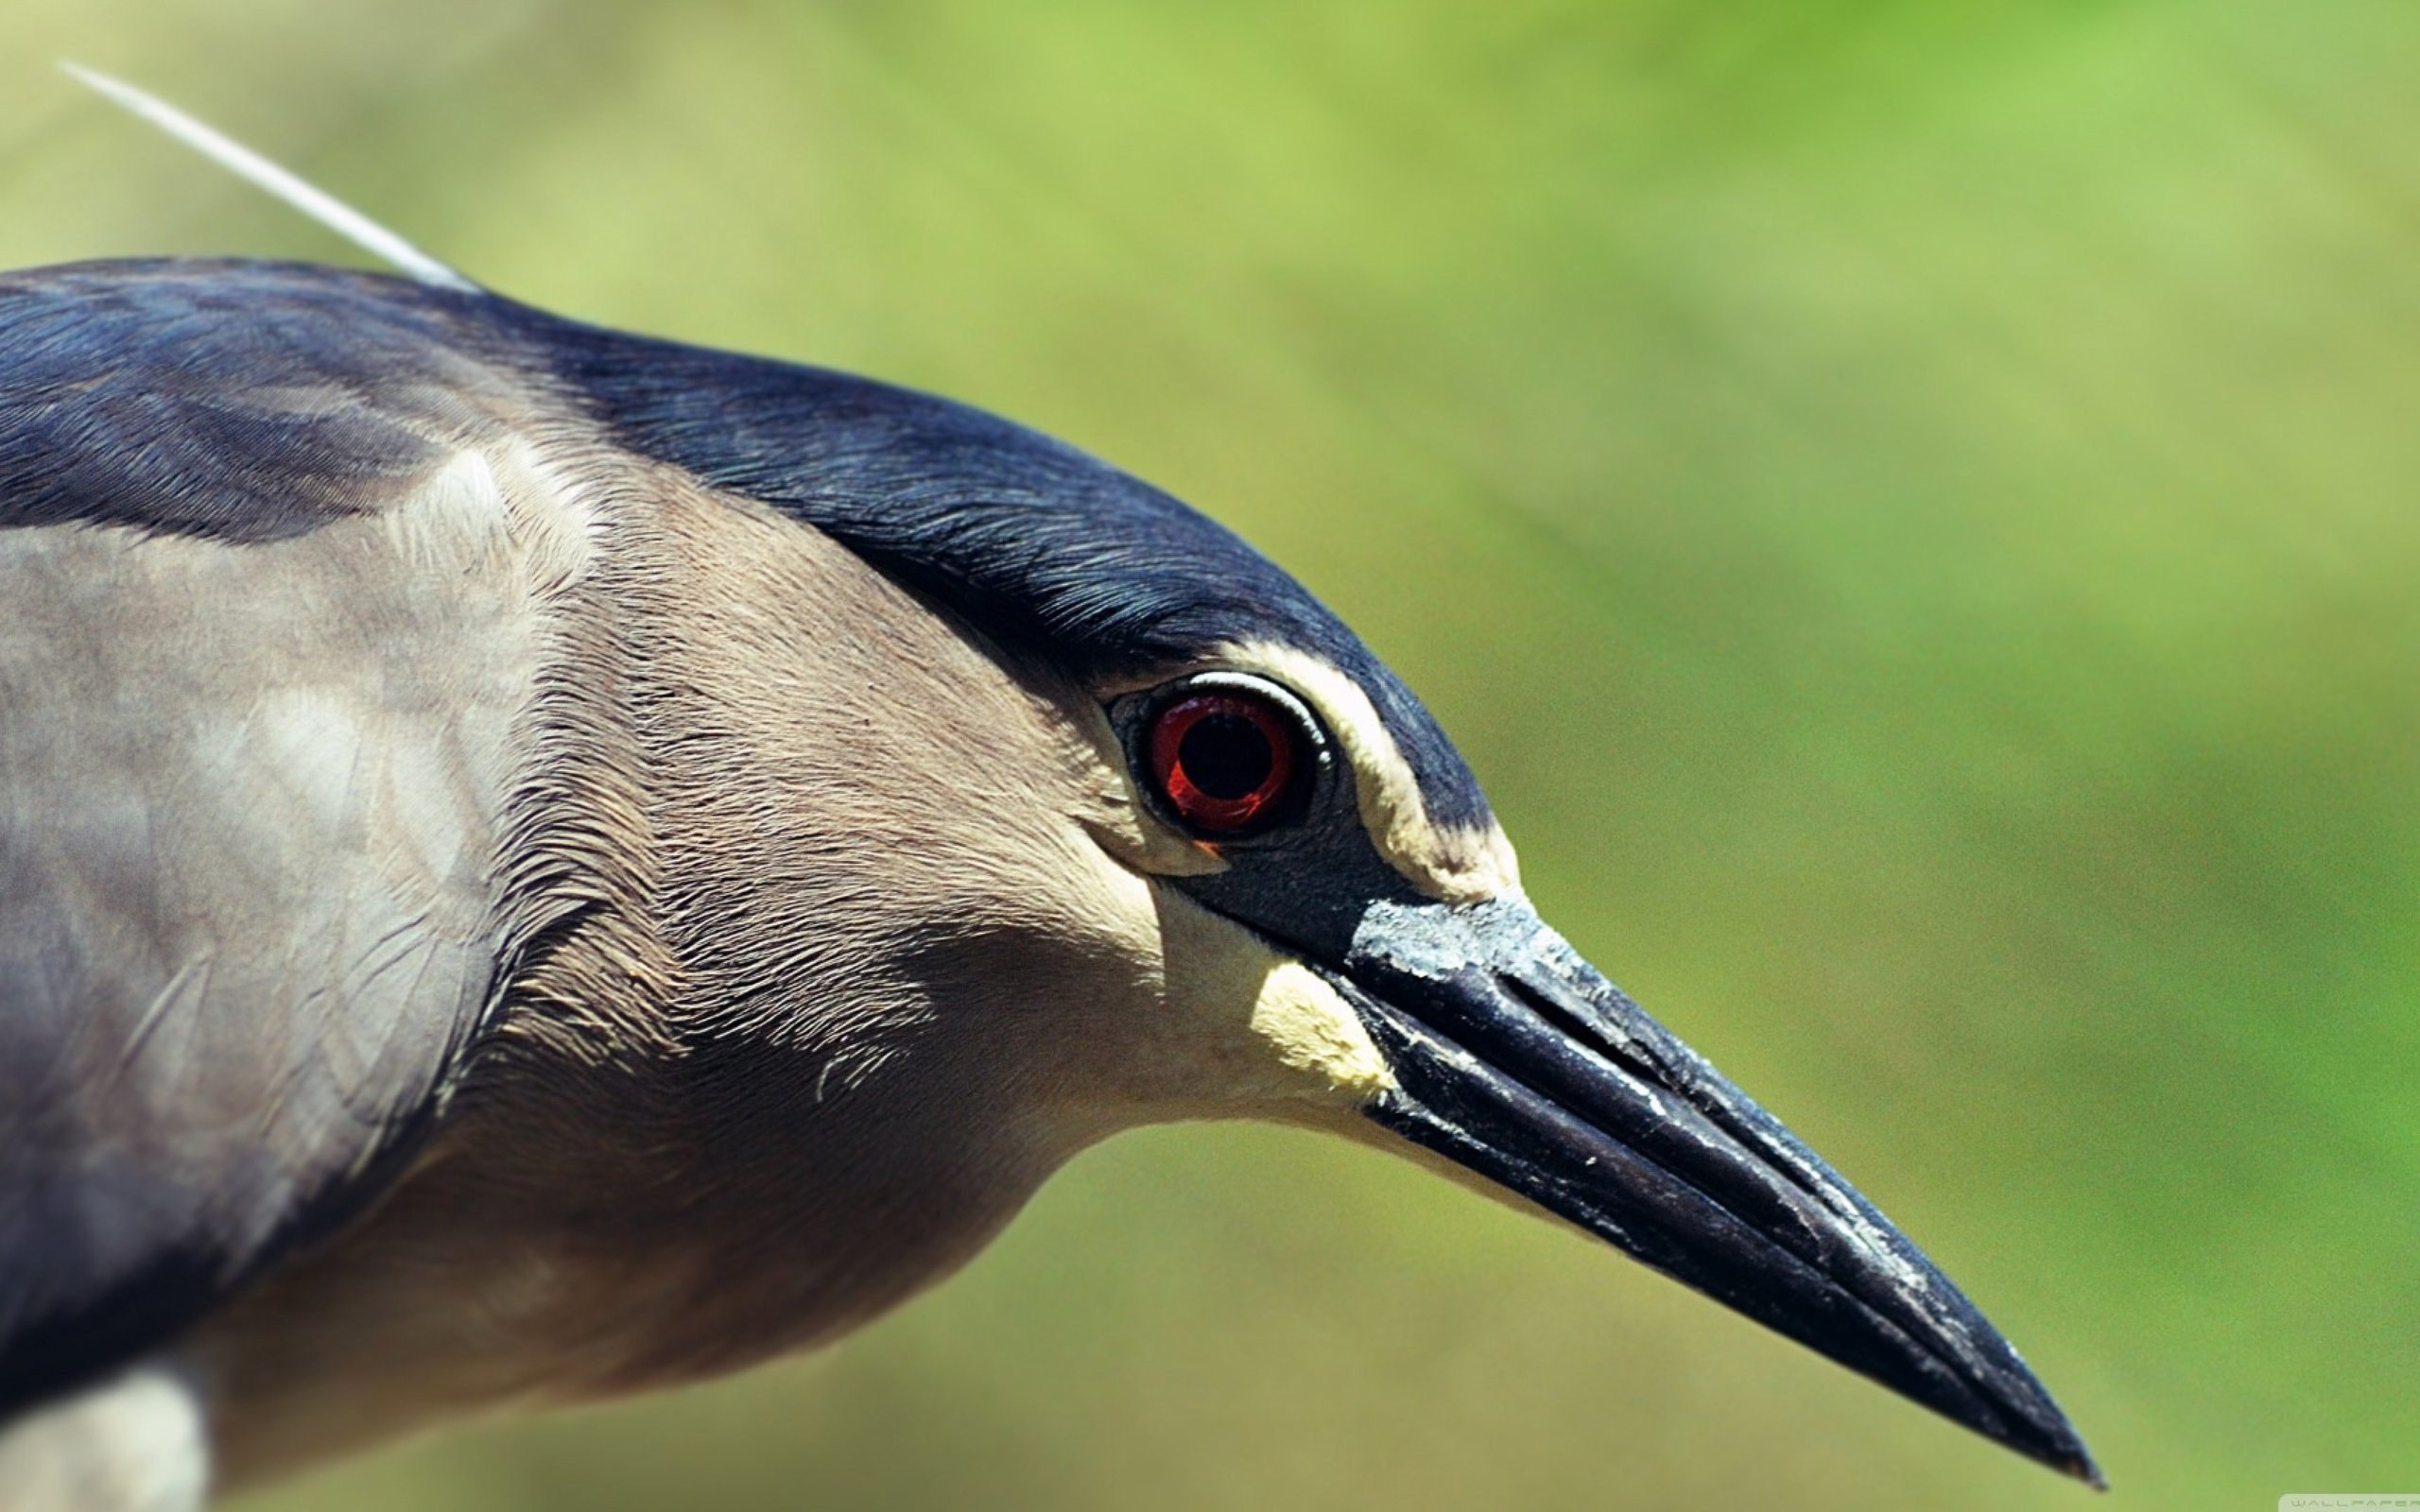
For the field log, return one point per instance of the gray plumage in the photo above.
(252, 799)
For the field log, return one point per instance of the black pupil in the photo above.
(1227, 756)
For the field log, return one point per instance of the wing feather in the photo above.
(266, 624)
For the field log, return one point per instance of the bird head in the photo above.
(1298, 904)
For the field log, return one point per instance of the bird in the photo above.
(538, 864)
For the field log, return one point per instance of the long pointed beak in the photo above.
(1516, 1058)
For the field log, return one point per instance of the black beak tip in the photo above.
(2044, 1436)
(2081, 1465)
(2071, 1458)
(1996, 1394)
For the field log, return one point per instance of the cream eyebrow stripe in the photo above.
(1453, 864)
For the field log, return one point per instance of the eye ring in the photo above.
(1227, 761)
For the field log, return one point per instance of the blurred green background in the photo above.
(1908, 508)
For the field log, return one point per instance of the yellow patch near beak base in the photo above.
(1315, 1030)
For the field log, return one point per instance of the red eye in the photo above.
(1224, 760)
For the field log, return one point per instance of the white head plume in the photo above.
(244, 164)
